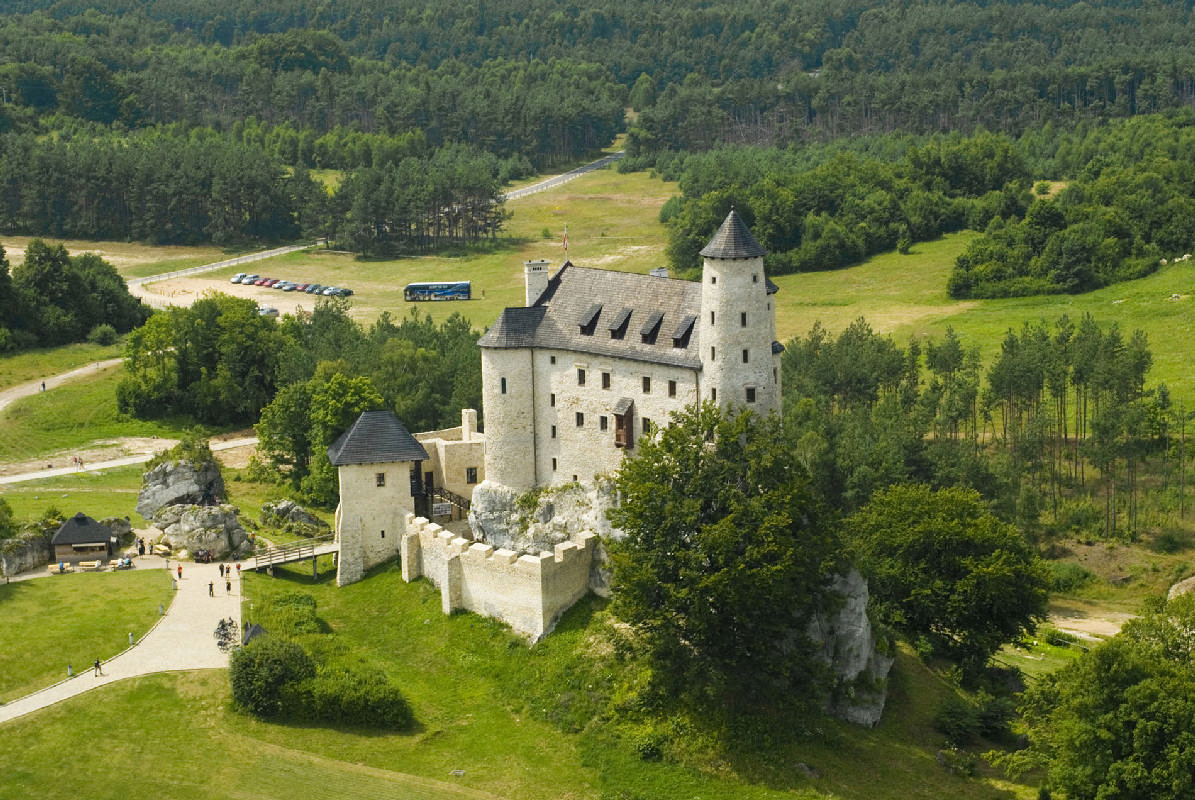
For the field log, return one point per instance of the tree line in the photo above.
(173, 187)
(53, 298)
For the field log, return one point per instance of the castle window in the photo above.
(551, 359)
(672, 388)
(755, 277)
(711, 317)
(605, 380)
(470, 474)
(746, 358)
(743, 319)
(383, 534)
(552, 400)
(553, 432)
(580, 419)
(580, 376)
(504, 386)
(714, 395)
(380, 479)
(602, 422)
(713, 354)
(646, 426)
(750, 394)
(713, 279)
(647, 384)
(553, 465)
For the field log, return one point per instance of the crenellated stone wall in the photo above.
(527, 592)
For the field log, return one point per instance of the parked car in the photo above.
(314, 288)
(330, 291)
(302, 287)
(249, 279)
(267, 311)
(290, 287)
(237, 278)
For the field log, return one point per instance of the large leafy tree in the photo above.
(723, 559)
(946, 572)
(1119, 722)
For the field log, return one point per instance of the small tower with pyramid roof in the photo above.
(740, 356)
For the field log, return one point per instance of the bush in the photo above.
(103, 334)
(262, 672)
(1170, 542)
(958, 720)
(1066, 576)
(351, 696)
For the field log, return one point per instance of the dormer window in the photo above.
(588, 320)
(680, 336)
(651, 328)
(618, 325)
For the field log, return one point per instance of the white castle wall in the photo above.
(509, 416)
(370, 519)
(453, 451)
(529, 593)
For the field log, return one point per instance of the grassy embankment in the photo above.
(485, 704)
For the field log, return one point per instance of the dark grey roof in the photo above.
(623, 406)
(777, 347)
(377, 437)
(556, 319)
(81, 529)
(733, 240)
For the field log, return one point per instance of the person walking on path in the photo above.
(238, 569)
(98, 672)
(180, 572)
(211, 588)
(221, 570)
(228, 587)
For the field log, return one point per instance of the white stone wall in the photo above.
(370, 519)
(452, 452)
(731, 288)
(509, 418)
(585, 450)
(529, 593)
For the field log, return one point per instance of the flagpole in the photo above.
(566, 241)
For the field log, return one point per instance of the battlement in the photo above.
(528, 592)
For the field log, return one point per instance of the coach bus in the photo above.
(448, 290)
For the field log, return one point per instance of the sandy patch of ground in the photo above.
(1075, 619)
(624, 253)
(121, 255)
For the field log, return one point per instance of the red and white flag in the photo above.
(566, 241)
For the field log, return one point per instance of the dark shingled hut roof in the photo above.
(377, 437)
(81, 529)
(733, 240)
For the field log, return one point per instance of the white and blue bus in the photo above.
(446, 290)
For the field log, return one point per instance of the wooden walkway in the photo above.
(295, 551)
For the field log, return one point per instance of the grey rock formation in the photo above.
(30, 550)
(120, 526)
(848, 645)
(536, 523)
(179, 483)
(1185, 586)
(190, 527)
(292, 518)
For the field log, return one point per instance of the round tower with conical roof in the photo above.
(739, 354)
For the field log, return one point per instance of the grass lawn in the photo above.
(72, 619)
(483, 701)
(34, 365)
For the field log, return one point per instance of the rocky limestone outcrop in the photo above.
(192, 527)
(29, 550)
(291, 517)
(120, 526)
(179, 483)
(538, 521)
(1185, 586)
(849, 647)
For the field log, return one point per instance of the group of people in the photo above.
(226, 574)
(78, 462)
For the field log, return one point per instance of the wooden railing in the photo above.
(294, 551)
(441, 493)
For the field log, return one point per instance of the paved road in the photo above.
(556, 180)
(181, 640)
(8, 396)
(127, 461)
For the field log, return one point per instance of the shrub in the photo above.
(1170, 542)
(1066, 576)
(958, 720)
(103, 334)
(352, 696)
(262, 672)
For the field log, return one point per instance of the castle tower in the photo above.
(739, 355)
(508, 397)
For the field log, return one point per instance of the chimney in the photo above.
(535, 274)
